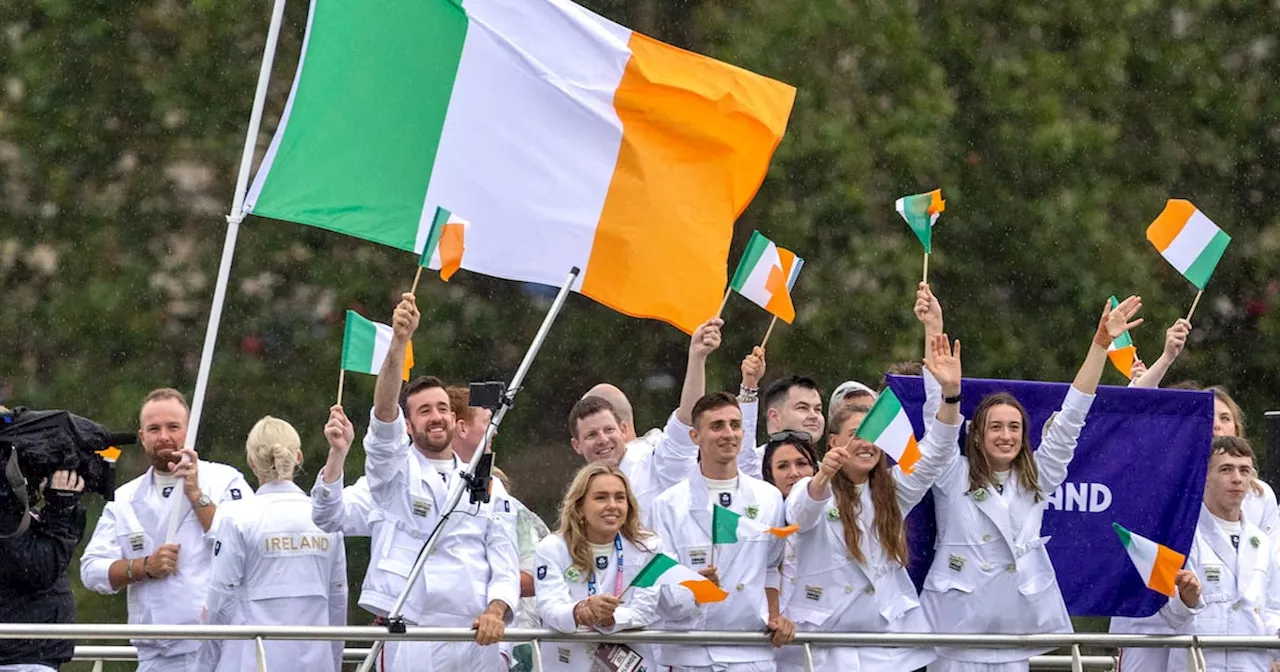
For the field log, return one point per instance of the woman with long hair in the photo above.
(583, 570)
(272, 565)
(788, 457)
(991, 573)
(851, 549)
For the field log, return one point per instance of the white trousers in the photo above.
(444, 657)
(757, 666)
(948, 665)
(26, 667)
(1145, 660)
(183, 662)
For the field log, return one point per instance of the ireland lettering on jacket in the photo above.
(296, 544)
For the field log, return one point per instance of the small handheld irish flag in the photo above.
(921, 212)
(365, 345)
(766, 275)
(1188, 240)
(1158, 564)
(1122, 351)
(663, 570)
(728, 527)
(445, 244)
(888, 427)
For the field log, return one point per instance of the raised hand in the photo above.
(1188, 587)
(1117, 321)
(1138, 370)
(1175, 338)
(404, 321)
(832, 462)
(338, 431)
(753, 366)
(944, 363)
(706, 338)
(928, 310)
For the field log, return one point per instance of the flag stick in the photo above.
(768, 331)
(416, 277)
(1194, 304)
(461, 486)
(342, 377)
(229, 245)
(725, 302)
(712, 561)
(926, 268)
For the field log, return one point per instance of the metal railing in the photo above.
(259, 633)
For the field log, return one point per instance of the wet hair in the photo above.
(980, 471)
(713, 401)
(904, 368)
(418, 385)
(163, 393)
(587, 407)
(573, 526)
(1233, 446)
(776, 394)
(1220, 393)
(805, 447)
(272, 449)
(890, 525)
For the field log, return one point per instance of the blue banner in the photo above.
(1141, 462)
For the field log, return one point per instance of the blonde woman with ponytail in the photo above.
(583, 570)
(851, 550)
(272, 565)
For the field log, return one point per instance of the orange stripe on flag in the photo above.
(1170, 222)
(705, 591)
(910, 456)
(779, 298)
(784, 532)
(451, 246)
(697, 136)
(408, 360)
(1165, 570)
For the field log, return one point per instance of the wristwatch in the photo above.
(953, 400)
(205, 500)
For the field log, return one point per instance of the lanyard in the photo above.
(617, 578)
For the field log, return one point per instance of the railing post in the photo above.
(97, 665)
(808, 658)
(537, 656)
(1077, 665)
(262, 654)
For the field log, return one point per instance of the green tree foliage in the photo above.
(1056, 132)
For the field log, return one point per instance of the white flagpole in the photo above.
(229, 245)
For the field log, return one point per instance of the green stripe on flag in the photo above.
(886, 408)
(433, 236)
(653, 570)
(365, 118)
(1200, 270)
(358, 341)
(915, 210)
(724, 526)
(1125, 537)
(750, 257)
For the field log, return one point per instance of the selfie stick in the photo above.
(395, 617)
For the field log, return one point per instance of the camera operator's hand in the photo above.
(163, 563)
(63, 492)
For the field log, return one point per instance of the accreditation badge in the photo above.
(1213, 574)
(616, 658)
(137, 541)
(421, 507)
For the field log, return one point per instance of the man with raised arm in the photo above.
(598, 430)
(472, 577)
(683, 517)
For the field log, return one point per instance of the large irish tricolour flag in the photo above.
(566, 139)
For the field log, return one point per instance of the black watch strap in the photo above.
(953, 400)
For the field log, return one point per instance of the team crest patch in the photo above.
(753, 511)
(726, 499)
(217, 547)
(136, 541)
(168, 489)
(506, 506)
(235, 493)
(542, 572)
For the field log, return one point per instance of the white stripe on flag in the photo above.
(1190, 241)
(754, 286)
(381, 345)
(897, 435)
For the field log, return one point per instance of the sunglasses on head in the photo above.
(790, 435)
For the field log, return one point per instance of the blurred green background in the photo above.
(1056, 130)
